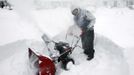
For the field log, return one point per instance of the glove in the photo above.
(59, 59)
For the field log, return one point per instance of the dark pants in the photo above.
(87, 39)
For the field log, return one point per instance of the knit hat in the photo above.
(75, 11)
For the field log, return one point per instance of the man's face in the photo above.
(75, 12)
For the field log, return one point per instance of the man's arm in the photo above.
(90, 17)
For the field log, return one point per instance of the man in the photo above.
(85, 21)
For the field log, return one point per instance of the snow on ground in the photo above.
(109, 58)
(116, 24)
(129, 52)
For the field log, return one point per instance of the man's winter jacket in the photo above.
(84, 19)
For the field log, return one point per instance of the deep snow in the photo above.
(109, 57)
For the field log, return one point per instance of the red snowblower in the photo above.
(46, 65)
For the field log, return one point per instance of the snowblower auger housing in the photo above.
(44, 65)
